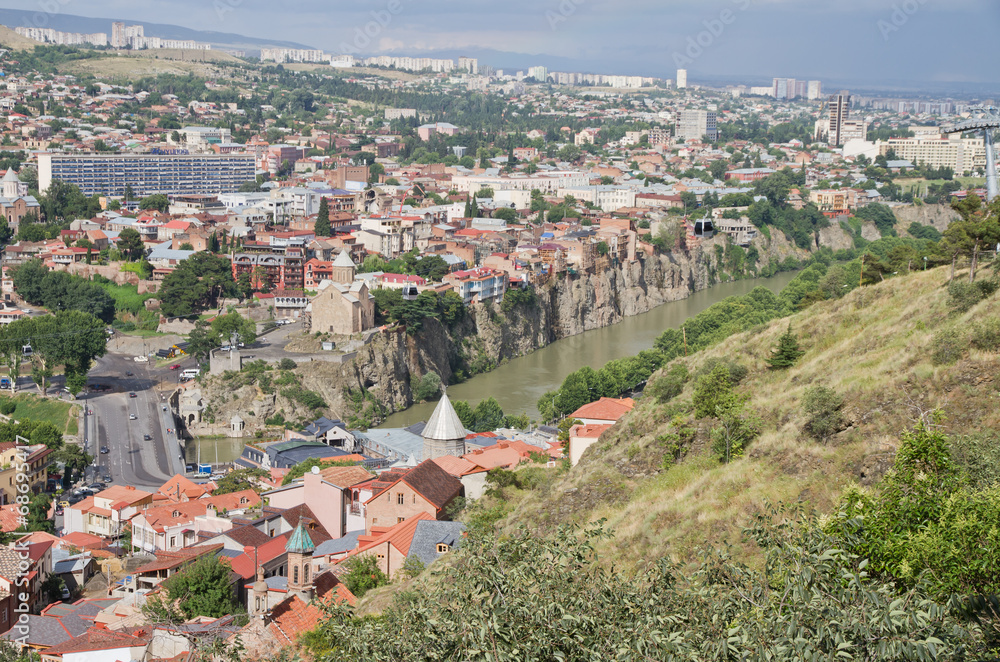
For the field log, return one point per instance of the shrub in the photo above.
(737, 372)
(823, 406)
(947, 347)
(711, 390)
(363, 575)
(426, 388)
(7, 407)
(786, 353)
(670, 385)
(287, 364)
(985, 335)
(963, 296)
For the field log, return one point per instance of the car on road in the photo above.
(98, 486)
(59, 511)
(129, 373)
(146, 437)
(105, 450)
(66, 595)
(132, 395)
(164, 407)
(176, 366)
(107, 478)
(63, 504)
(132, 417)
(141, 359)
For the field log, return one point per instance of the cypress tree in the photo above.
(787, 352)
(323, 227)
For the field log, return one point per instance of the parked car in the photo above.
(176, 366)
(105, 450)
(146, 437)
(107, 478)
(132, 395)
(98, 486)
(132, 417)
(164, 407)
(59, 511)
(128, 373)
(64, 504)
(66, 595)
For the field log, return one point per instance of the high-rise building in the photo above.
(682, 79)
(118, 35)
(540, 74)
(147, 174)
(697, 124)
(840, 110)
(815, 90)
(469, 64)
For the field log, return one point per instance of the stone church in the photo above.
(343, 306)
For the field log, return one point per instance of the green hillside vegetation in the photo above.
(63, 415)
(881, 446)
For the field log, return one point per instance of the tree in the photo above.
(158, 201)
(224, 326)
(465, 414)
(363, 575)
(323, 227)
(73, 458)
(196, 285)
(130, 245)
(787, 352)
(506, 214)
(239, 480)
(38, 514)
(202, 588)
(489, 416)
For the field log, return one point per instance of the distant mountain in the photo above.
(72, 23)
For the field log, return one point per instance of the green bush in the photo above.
(670, 385)
(963, 296)
(7, 407)
(426, 388)
(736, 372)
(947, 347)
(287, 364)
(824, 407)
(985, 335)
(711, 390)
(363, 575)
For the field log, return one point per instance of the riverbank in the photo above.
(518, 384)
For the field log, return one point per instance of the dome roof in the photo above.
(300, 542)
(444, 424)
(344, 260)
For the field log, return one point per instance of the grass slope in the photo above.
(872, 346)
(61, 414)
(12, 40)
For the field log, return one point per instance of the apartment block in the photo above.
(147, 174)
(697, 125)
(961, 155)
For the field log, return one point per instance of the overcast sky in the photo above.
(862, 40)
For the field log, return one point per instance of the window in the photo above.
(295, 575)
(414, 498)
(380, 558)
(399, 520)
(443, 548)
(173, 541)
(374, 521)
(305, 573)
(399, 498)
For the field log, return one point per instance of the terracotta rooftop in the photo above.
(431, 482)
(399, 536)
(605, 409)
(345, 476)
(98, 639)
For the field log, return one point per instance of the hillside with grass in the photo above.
(875, 359)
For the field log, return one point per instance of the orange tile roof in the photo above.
(243, 565)
(346, 476)
(184, 486)
(457, 466)
(87, 507)
(588, 431)
(504, 454)
(399, 536)
(160, 518)
(605, 409)
(125, 493)
(83, 540)
(234, 500)
(99, 638)
(10, 518)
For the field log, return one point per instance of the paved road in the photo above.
(132, 459)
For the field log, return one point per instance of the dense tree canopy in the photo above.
(196, 285)
(58, 290)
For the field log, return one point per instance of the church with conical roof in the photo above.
(444, 433)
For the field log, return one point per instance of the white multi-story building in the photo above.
(548, 183)
(960, 154)
(50, 36)
(540, 74)
(469, 64)
(682, 79)
(815, 90)
(400, 113)
(608, 198)
(698, 125)
(293, 55)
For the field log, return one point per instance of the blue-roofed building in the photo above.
(433, 539)
(165, 257)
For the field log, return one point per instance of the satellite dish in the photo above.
(315, 470)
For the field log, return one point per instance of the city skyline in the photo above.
(867, 42)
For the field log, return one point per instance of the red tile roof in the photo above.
(399, 536)
(99, 639)
(243, 565)
(605, 409)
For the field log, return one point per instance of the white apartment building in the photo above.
(960, 154)
(682, 79)
(547, 183)
(697, 124)
(293, 55)
(400, 113)
(608, 198)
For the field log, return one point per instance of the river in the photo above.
(519, 384)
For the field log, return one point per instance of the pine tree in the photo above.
(468, 207)
(213, 243)
(787, 352)
(323, 227)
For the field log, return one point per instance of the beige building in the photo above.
(343, 306)
(936, 151)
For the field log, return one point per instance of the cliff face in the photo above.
(937, 216)
(378, 381)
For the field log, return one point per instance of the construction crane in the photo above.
(988, 123)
